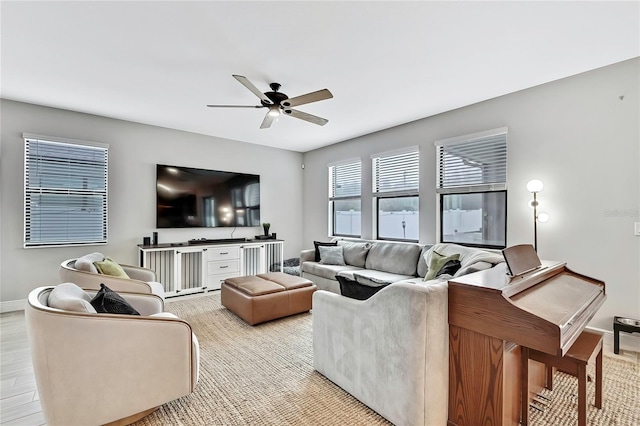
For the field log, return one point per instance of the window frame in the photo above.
(34, 189)
(377, 193)
(496, 185)
(377, 214)
(488, 246)
(351, 197)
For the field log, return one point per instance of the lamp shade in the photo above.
(534, 185)
(543, 217)
(274, 111)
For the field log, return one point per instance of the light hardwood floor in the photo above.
(19, 402)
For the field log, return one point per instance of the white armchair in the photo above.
(96, 368)
(82, 272)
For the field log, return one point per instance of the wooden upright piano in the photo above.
(492, 315)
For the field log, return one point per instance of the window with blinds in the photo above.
(472, 183)
(345, 185)
(65, 192)
(396, 184)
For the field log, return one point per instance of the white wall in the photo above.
(575, 135)
(135, 149)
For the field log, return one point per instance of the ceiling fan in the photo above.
(279, 103)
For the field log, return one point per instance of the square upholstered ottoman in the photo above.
(264, 297)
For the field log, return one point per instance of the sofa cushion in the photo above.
(109, 267)
(326, 271)
(422, 266)
(108, 301)
(317, 244)
(355, 253)
(70, 297)
(85, 263)
(397, 258)
(331, 255)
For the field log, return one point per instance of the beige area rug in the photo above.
(264, 375)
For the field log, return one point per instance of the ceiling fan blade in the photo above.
(320, 95)
(306, 117)
(268, 120)
(235, 106)
(246, 83)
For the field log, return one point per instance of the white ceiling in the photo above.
(386, 63)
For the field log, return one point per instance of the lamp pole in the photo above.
(535, 222)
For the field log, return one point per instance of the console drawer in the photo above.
(223, 253)
(223, 267)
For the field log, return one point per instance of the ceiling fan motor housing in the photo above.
(275, 96)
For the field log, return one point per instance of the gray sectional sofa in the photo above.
(390, 351)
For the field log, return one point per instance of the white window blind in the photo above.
(344, 180)
(65, 192)
(472, 163)
(396, 173)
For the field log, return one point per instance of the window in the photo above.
(344, 198)
(396, 177)
(65, 192)
(472, 176)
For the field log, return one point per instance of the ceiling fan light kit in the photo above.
(278, 102)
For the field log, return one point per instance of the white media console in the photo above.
(186, 268)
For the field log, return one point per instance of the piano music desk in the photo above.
(586, 349)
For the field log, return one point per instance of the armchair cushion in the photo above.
(70, 297)
(108, 301)
(85, 263)
(109, 267)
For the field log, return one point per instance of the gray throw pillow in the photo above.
(331, 255)
(70, 297)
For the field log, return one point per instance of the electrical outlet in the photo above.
(637, 229)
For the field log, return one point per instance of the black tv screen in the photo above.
(198, 198)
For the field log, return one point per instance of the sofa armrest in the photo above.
(139, 273)
(389, 351)
(307, 256)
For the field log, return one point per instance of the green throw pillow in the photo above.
(437, 262)
(109, 267)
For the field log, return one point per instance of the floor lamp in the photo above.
(534, 186)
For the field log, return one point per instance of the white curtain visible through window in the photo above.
(65, 192)
(472, 182)
(344, 198)
(396, 184)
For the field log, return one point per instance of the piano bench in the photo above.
(583, 352)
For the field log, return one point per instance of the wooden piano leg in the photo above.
(549, 371)
(582, 394)
(524, 382)
(599, 379)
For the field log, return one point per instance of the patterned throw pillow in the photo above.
(107, 301)
(330, 255)
(438, 261)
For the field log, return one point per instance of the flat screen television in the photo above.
(199, 198)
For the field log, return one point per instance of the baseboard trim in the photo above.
(627, 340)
(12, 305)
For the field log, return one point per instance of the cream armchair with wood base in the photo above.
(97, 368)
(82, 272)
